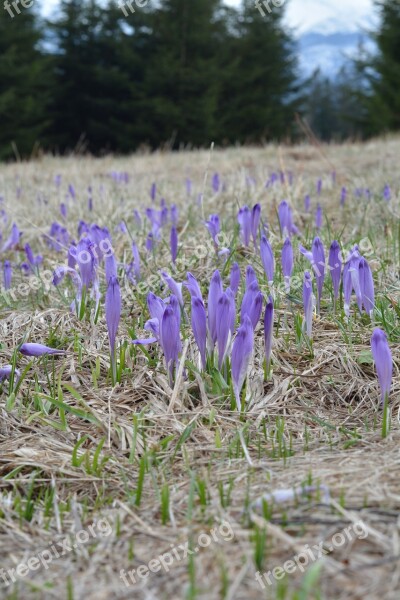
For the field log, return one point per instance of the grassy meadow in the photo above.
(112, 475)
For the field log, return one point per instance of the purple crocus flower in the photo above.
(286, 220)
(174, 244)
(366, 286)
(113, 316)
(34, 261)
(5, 373)
(383, 362)
(216, 184)
(153, 191)
(319, 268)
(244, 219)
(251, 292)
(308, 303)
(343, 196)
(214, 227)
(214, 294)
(188, 183)
(387, 193)
(13, 240)
(268, 331)
(7, 274)
(199, 326)
(193, 286)
(287, 262)
(235, 278)
(150, 242)
(85, 260)
(335, 267)
(255, 222)
(267, 259)
(174, 215)
(250, 276)
(319, 187)
(318, 217)
(136, 261)
(63, 210)
(175, 288)
(31, 349)
(351, 280)
(170, 340)
(223, 314)
(307, 202)
(242, 350)
(71, 191)
(256, 309)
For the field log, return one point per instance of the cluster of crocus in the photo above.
(84, 259)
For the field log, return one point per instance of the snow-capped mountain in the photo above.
(329, 32)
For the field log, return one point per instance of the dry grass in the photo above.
(317, 421)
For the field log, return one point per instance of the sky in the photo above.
(304, 15)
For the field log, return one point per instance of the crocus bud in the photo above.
(318, 217)
(383, 361)
(113, 316)
(244, 219)
(31, 349)
(223, 313)
(250, 276)
(366, 286)
(255, 221)
(235, 278)
(335, 267)
(267, 259)
(193, 286)
(214, 293)
(7, 274)
(170, 340)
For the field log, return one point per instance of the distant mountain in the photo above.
(332, 43)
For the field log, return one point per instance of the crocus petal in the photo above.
(383, 361)
(214, 293)
(244, 219)
(235, 278)
(223, 326)
(5, 373)
(193, 286)
(170, 340)
(31, 349)
(335, 267)
(267, 258)
(366, 286)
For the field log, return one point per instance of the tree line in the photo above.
(179, 73)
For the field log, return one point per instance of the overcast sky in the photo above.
(302, 14)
